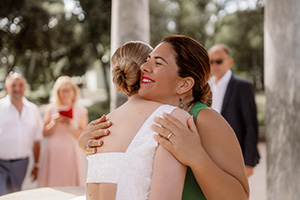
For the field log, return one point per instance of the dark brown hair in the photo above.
(126, 62)
(193, 61)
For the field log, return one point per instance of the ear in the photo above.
(186, 84)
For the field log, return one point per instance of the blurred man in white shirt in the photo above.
(20, 135)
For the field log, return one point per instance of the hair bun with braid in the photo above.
(126, 62)
(126, 76)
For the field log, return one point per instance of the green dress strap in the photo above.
(192, 190)
(197, 107)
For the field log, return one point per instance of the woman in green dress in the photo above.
(210, 149)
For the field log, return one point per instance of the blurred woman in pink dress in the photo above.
(62, 163)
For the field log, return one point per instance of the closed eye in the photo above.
(161, 58)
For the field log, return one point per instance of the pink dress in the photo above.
(62, 162)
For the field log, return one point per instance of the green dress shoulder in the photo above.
(192, 190)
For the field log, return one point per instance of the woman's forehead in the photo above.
(164, 50)
(66, 85)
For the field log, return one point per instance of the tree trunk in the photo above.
(282, 85)
(130, 21)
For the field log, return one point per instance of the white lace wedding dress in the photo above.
(131, 170)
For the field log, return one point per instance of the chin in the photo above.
(144, 94)
(141, 93)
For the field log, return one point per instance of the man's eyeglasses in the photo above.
(219, 61)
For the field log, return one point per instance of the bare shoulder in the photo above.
(210, 116)
(212, 125)
(181, 115)
(151, 103)
(141, 108)
(49, 107)
(80, 108)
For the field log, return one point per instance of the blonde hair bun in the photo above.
(126, 62)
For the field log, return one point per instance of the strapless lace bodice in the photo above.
(130, 170)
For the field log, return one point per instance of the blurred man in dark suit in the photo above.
(233, 98)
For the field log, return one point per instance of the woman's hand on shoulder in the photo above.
(180, 140)
(90, 139)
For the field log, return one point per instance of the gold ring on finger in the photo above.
(170, 134)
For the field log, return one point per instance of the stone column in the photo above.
(282, 85)
(130, 21)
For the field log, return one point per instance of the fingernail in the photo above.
(106, 132)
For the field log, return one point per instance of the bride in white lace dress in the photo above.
(131, 165)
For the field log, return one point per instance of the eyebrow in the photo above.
(158, 57)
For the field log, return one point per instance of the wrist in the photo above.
(36, 165)
(199, 158)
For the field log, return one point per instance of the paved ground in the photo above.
(258, 182)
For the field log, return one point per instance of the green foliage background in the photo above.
(43, 40)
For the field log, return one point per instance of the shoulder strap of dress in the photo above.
(197, 107)
(145, 130)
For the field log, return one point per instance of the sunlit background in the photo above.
(48, 38)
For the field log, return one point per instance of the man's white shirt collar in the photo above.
(224, 80)
(219, 89)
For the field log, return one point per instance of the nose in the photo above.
(145, 68)
(17, 88)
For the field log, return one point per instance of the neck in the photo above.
(217, 79)
(135, 97)
(188, 108)
(186, 100)
(18, 103)
(67, 103)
